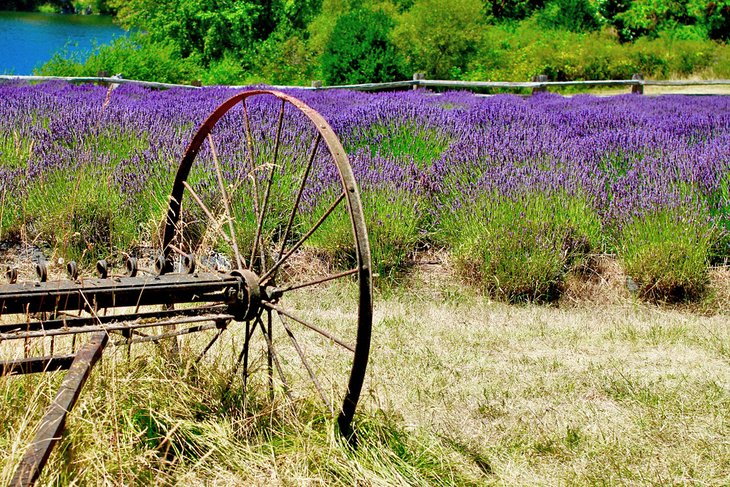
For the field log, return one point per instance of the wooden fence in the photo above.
(537, 85)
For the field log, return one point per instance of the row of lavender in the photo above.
(520, 190)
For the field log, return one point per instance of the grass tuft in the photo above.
(667, 256)
(521, 249)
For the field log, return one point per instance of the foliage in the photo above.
(521, 249)
(360, 50)
(341, 41)
(513, 9)
(439, 37)
(667, 255)
(697, 19)
(194, 27)
(135, 57)
(522, 51)
(571, 15)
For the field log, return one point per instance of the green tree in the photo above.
(572, 15)
(439, 38)
(206, 27)
(695, 19)
(360, 50)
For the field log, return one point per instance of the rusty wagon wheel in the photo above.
(266, 181)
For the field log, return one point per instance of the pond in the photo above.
(29, 39)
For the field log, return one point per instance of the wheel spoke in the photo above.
(216, 225)
(267, 193)
(299, 193)
(302, 240)
(311, 373)
(221, 329)
(319, 330)
(226, 203)
(320, 281)
(242, 357)
(272, 357)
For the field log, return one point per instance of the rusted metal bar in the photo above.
(70, 323)
(36, 364)
(52, 424)
(124, 326)
(115, 292)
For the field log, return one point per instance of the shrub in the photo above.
(439, 38)
(135, 57)
(360, 50)
(520, 51)
(666, 254)
(521, 249)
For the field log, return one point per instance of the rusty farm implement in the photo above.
(263, 177)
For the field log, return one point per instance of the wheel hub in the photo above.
(247, 297)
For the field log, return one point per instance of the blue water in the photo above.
(27, 40)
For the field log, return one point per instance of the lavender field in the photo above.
(520, 191)
(523, 196)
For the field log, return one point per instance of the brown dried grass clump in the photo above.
(601, 280)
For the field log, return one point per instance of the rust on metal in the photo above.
(34, 365)
(53, 422)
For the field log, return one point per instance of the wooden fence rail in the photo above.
(537, 85)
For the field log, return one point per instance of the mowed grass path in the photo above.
(461, 390)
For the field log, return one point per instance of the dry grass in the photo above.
(461, 390)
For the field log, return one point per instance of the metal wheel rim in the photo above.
(355, 212)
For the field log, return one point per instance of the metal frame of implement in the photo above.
(213, 299)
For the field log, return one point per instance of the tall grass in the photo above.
(459, 392)
(521, 249)
(667, 255)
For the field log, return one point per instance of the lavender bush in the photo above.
(434, 170)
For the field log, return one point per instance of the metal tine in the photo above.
(11, 274)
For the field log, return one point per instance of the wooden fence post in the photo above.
(316, 84)
(540, 78)
(102, 74)
(637, 89)
(418, 77)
